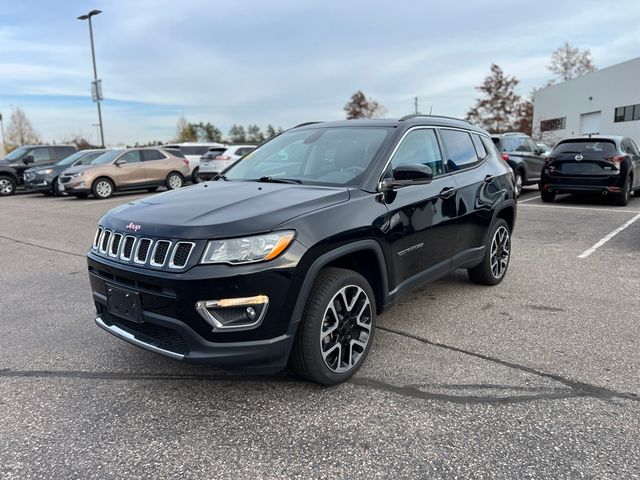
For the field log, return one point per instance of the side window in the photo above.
(480, 150)
(243, 151)
(420, 147)
(40, 155)
(532, 146)
(148, 155)
(132, 156)
(460, 149)
(525, 146)
(634, 147)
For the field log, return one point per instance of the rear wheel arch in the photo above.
(508, 214)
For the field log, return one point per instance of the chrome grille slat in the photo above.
(127, 246)
(182, 259)
(96, 239)
(144, 246)
(114, 247)
(160, 253)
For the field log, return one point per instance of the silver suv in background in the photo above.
(217, 159)
(193, 151)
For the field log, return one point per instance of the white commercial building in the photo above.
(605, 102)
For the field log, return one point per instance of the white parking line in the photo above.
(608, 237)
(528, 199)
(590, 209)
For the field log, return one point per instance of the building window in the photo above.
(553, 124)
(627, 113)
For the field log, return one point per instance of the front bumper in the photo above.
(172, 327)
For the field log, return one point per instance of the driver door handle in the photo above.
(447, 192)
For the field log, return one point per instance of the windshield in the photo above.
(17, 153)
(332, 156)
(107, 157)
(71, 159)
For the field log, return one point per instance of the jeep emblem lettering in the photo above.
(133, 226)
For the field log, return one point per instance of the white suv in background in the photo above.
(219, 158)
(192, 151)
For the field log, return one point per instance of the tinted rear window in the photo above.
(195, 150)
(599, 148)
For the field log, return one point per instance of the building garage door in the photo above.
(590, 123)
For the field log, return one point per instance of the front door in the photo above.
(421, 220)
(131, 173)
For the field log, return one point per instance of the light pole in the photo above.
(96, 83)
(2, 128)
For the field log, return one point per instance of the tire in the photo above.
(7, 186)
(102, 188)
(518, 182)
(495, 263)
(622, 199)
(547, 197)
(152, 189)
(195, 176)
(174, 181)
(55, 189)
(323, 324)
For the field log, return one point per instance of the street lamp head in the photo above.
(90, 14)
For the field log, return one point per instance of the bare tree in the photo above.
(20, 131)
(568, 62)
(499, 109)
(185, 131)
(359, 106)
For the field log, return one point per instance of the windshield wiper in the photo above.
(278, 180)
(221, 177)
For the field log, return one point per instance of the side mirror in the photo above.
(120, 161)
(408, 174)
(28, 159)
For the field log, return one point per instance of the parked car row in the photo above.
(92, 172)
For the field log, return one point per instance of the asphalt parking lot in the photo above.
(537, 377)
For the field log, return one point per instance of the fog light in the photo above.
(232, 314)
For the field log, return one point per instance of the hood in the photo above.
(78, 169)
(222, 209)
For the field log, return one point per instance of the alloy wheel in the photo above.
(6, 187)
(103, 189)
(500, 251)
(175, 182)
(345, 329)
(518, 184)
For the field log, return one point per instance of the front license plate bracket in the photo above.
(124, 304)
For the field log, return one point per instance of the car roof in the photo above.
(49, 145)
(409, 120)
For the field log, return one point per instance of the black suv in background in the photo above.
(292, 253)
(523, 155)
(13, 165)
(45, 179)
(603, 164)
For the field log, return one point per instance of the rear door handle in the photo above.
(489, 178)
(447, 192)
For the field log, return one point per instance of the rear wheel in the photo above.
(547, 197)
(496, 258)
(102, 188)
(195, 176)
(174, 181)
(519, 180)
(337, 327)
(7, 186)
(622, 198)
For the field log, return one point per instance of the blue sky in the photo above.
(281, 62)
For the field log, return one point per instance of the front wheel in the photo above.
(496, 257)
(337, 327)
(102, 188)
(174, 181)
(7, 186)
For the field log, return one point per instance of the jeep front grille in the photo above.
(142, 251)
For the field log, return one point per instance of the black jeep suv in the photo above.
(294, 250)
(13, 166)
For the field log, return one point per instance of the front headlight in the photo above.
(76, 175)
(45, 172)
(249, 249)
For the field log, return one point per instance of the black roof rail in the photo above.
(420, 115)
(305, 124)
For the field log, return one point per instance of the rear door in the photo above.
(421, 220)
(478, 190)
(631, 149)
(157, 166)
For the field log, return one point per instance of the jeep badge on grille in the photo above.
(133, 226)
